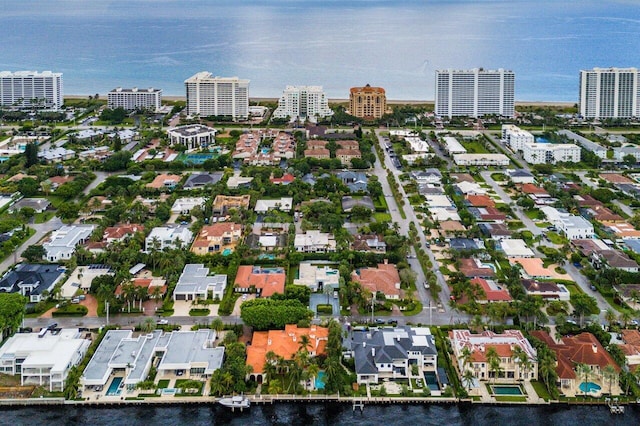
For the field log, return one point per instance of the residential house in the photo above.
(495, 231)
(389, 354)
(428, 176)
(480, 346)
(43, 359)
(164, 181)
(384, 279)
(346, 156)
(493, 292)
(37, 204)
(247, 146)
(56, 155)
(479, 201)
(168, 237)
(514, 248)
(223, 203)
(31, 280)
(285, 344)
(314, 241)
(195, 283)
(349, 202)
(156, 287)
(263, 281)
(631, 348)
(317, 149)
(355, 181)
(286, 179)
(474, 268)
(62, 243)
(121, 232)
(221, 237)
(56, 182)
(573, 351)
(284, 204)
(190, 354)
(574, 227)
(184, 205)
(200, 180)
(317, 277)
(460, 244)
(546, 289)
(369, 243)
(520, 176)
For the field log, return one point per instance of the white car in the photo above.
(163, 322)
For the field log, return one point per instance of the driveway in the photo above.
(321, 299)
(42, 229)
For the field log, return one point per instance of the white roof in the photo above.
(515, 248)
(453, 146)
(51, 351)
(283, 204)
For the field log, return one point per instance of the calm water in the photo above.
(316, 414)
(397, 44)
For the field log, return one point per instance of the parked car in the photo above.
(379, 321)
(163, 322)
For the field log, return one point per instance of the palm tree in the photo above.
(275, 386)
(546, 367)
(493, 359)
(519, 357)
(610, 316)
(217, 387)
(467, 378)
(465, 357)
(313, 371)
(610, 374)
(303, 344)
(585, 372)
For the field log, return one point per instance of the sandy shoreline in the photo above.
(342, 101)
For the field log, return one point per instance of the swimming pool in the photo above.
(227, 252)
(507, 390)
(114, 387)
(431, 380)
(320, 380)
(542, 140)
(587, 387)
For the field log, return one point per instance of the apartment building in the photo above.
(367, 102)
(217, 96)
(551, 153)
(26, 89)
(609, 93)
(515, 138)
(303, 103)
(474, 93)
(135, 99)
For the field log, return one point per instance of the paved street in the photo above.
(42, 229)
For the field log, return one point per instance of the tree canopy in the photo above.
(11, 311)
(267, 314)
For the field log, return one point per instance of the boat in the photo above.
(239, 401)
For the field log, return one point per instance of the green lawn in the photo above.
(415, 311)
(163, 384)
(474, 147)
(199, 312)
(44, 216)
(382, 217)
(556, 238)
(510, 398)
(541, 390)
(532, 214)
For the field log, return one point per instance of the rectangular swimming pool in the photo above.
(507, 390)
(431, 380)
(114, 387)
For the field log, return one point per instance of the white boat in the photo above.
(234, 402)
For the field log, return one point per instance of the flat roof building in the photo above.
(193, 136)
(609, 93)
(62, 243)
(135, 99)
(303, 103)
(196, 283)
(20, 88)
(217, 96)
(474, 93)
(45, 358)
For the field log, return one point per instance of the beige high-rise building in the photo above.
(367, 102)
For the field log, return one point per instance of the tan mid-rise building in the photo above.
(367, 102)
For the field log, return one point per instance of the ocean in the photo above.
(318, 414)
(396, 44)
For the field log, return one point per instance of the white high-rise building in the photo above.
(133, 99)
(609, 93)
(24, 89)
(217, 96)
(303, 102)
(474, 93)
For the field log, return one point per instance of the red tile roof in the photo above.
(480, 201)
(529, 188)
(384, 279)
(268, 283)
(492, 295)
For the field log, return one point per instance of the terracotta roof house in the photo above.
(503, 344)
(264, 281)
(348, 144)
(602, 213)
(369, 242)
(164, 181)
(57, 181)
(219, 237)
(631, 348)
(317, 149)
(529, 188)
(347, 155)
(488, 214)
(286, 179)
(493, 292)
(247, 145)
(284, 343)
(384, 279)
(587, 200)
(621, 229)
(224, 203)
(479, 201)
(573, 351)
(155, 286)
(615, 178)
(120, 232)
(472, 268)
